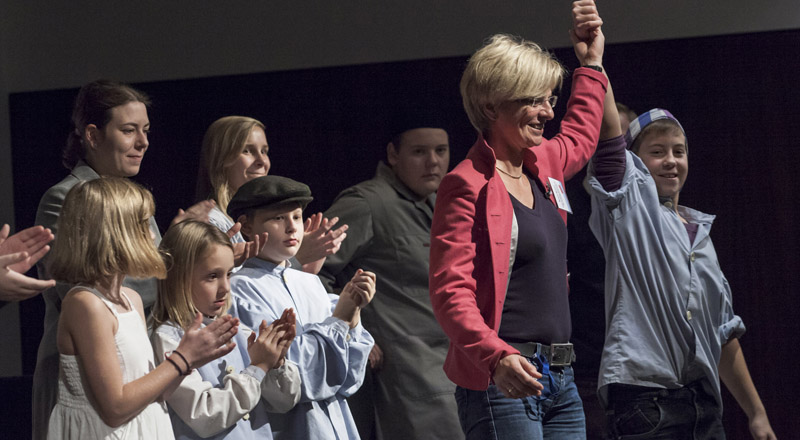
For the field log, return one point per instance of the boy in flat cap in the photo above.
(331, 348)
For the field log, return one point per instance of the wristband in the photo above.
(180, 373)
(188, 367)
(597, 68)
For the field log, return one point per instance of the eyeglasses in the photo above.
(539, 102)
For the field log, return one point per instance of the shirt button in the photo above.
(692, 257)
(689, 315)
(348, 337)
(246, 417)
(229, 369)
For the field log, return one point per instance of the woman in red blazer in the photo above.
(498, 239)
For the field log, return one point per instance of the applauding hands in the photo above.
(356, 295)
(18, 254)
(268, 350)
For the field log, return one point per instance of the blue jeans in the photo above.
(556, 414)
(691, 412)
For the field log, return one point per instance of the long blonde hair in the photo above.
(104, 231)
(222, 144)
(182, 246)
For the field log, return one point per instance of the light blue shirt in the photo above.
(668, 305)
(331, 357)
(224, 223)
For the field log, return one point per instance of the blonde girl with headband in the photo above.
(108, 384)
(230, 397)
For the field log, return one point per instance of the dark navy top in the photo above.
(536, 308)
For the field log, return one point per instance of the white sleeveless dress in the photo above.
(74, 417)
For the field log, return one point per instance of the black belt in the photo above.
(557, 355)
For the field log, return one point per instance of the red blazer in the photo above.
(471, 234)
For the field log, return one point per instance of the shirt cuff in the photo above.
(256, 372)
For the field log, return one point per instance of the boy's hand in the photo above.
(361, 288)
(760, 428)
(319, 241)
(375, 357)
(356, 294)
(266, 351)
(586, 35)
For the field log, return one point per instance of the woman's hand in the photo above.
(32, 240)
(18, 254)
(587, 37)
(199, 211)
(202, 345)
(249, 249)
(15, 286)
(319, 241)
(516, 377)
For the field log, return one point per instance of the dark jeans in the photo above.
(690, 412)
(556, 414)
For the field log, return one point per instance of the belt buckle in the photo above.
(561, 354)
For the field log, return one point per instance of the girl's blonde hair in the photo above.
(182, 247)
(222, 144)
(504, 69)
(103, 231)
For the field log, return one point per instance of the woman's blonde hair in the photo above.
(504, 69)
(103, 231)
(222, 144)
(182, 247)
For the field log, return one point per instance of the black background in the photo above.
(735, 96)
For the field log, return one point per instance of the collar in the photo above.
(267, 266)
(486, 154)
(695, 216)
(82, 171)
(384, 172)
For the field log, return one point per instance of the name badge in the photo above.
(561, 195)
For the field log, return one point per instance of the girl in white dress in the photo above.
(228, 397)
(109, 386)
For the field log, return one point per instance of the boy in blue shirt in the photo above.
(671, 333)
(331, 348)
